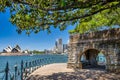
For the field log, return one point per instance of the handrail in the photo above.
(27, 67)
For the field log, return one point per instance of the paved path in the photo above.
(60, 72)
(52, 68)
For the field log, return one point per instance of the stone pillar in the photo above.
(108, 60)
(73, 61)
(111, 59)
(114, 60)
(117, 60)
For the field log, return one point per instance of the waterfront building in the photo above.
(65, 47)
(26, 51)
(17, 49)
(59, 46)
(9, 49)
(46, 51)
(56, 44)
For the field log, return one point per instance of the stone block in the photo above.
(74, 65)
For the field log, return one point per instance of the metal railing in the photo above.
(27, 67)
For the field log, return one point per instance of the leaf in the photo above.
(63, 3)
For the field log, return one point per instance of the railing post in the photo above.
(15, 72)
(30, 65)
(35, 64)
(26, 64)
(22, 70)
(39, 62)
(26, 69)
(6, 71)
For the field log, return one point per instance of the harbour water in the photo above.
(16, 60)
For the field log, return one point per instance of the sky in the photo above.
(40, 41)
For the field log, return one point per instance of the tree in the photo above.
(38, 15)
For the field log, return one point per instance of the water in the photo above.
(16, 60)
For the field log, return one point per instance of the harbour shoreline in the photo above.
(13, 54)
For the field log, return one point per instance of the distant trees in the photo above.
(37, 52)
(38, 15)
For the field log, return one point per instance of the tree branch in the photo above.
(79, 17)
(75, 5)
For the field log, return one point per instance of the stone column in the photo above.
(107, 59)
(70, 54)
(113, 60)
(74, 58)
(78, 56)
(117, 59)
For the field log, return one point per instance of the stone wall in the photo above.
(103, 41)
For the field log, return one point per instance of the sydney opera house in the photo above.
(9, 49)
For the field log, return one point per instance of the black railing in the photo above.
(27, 67)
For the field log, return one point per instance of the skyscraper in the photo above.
(65, 47)
(56, 44)
(59, 46)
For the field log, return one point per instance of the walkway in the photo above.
(59, 71)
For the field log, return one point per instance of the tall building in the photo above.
(65, 47)
(58, 46)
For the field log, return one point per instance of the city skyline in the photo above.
(40, 41)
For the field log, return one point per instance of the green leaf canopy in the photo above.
(39, 15)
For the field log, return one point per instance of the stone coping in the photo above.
(12, 54)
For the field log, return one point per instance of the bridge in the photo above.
(91, 44)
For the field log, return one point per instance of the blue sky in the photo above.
(40, 41)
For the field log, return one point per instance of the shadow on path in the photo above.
(83, 74)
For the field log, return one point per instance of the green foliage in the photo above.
(40, 15)
(105, 18)
(37, 52)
